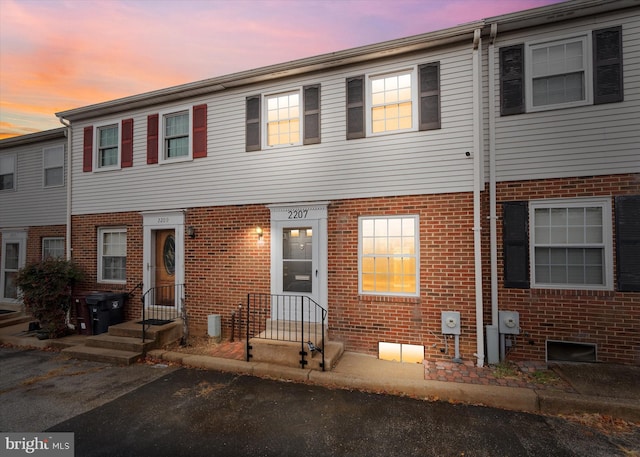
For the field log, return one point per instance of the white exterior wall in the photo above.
(31, 204)
(400, 164)
(582, 141)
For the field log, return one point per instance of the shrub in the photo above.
(46, 289)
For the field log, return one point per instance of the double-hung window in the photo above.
(558, 73)
(53, 166)
(52, 248)
(108, 150)
(112, 255)
(388, 255)
(283, 119)
(392, 102)
(8, 172)
(175, 135)
(571, 244)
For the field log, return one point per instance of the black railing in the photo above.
(161, 305)
(294, 318)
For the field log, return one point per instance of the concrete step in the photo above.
(14, 318)
(287, 353)
(122, 343)
(162, 335)
(99, 354)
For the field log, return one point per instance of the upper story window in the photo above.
(108, 146)
(176, 135)
(8, 172)
(570, 71)
(283, 119)
(559, 74)
(53, 166)
(112, 255)
(401, 101)
(52, 248)
(107, 149)
(392, 101)
(388, 255)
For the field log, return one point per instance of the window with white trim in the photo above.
(107, 146)
(52, 248)
(571, 244)
(388, 255)
(8, 172)
(176, 137)
(283, 119)
(558, 73)
(112, 255)
(53, 166)
(392, 102)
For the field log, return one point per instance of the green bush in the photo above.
(46, 288)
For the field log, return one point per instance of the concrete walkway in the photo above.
(612, 390)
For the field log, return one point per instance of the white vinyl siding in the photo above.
(579, 141)
(407, 163)
(33, 204)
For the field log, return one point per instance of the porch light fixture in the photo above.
(259, 232)
(191, 231)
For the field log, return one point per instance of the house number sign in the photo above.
(298, 213)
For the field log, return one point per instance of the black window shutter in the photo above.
(429, 76)
(607, 65)
(512, 80)
(515, 241)
(628, 242)
(355, 108)
(311, 95)
(253, 123)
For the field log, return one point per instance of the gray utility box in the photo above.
(105, 309)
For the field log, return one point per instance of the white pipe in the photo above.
(477, 181)
(69, 132)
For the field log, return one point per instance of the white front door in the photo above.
(14, 253)
(298, 261)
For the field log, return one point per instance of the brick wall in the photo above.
(610, 319)
(34, 239)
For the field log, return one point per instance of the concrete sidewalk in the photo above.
(612, 390)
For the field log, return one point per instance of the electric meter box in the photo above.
(450, 322)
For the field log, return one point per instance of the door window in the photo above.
(297, 260)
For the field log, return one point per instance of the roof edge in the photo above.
(44, 135)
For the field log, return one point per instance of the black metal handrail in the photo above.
(161, 304)
(295, 318)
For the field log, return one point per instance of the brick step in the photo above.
(123, 343)
(100, 354)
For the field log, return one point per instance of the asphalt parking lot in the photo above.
(146, 410)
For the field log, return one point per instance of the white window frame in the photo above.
(96, 147)
(100, 274)
(415, 100)
(416, 255)
(265, 117)
(54, 162)
(587, 61)
(46, 240)
(162, 150)
(12, 159)
(606, 245)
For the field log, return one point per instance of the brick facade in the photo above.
(610, 319)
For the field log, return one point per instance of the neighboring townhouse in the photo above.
(33, 204)
(404, 187)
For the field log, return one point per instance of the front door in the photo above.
(165, 267)
(14, 249)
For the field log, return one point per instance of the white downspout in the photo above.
(477, 182)
(493, 219)
(69, 131)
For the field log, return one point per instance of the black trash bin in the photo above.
(106, 308)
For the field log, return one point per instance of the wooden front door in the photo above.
(165, 268)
